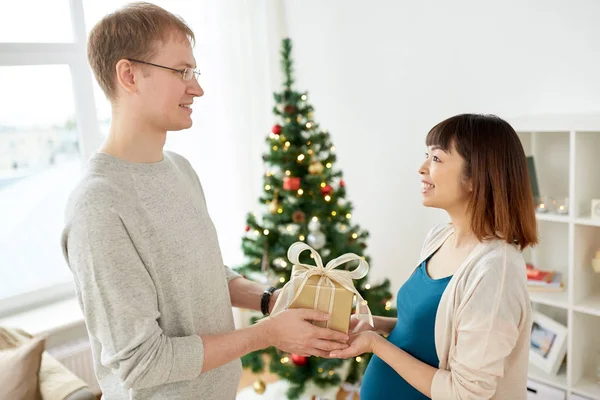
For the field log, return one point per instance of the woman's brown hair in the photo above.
(501, 203)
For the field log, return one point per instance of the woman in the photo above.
(464, 316)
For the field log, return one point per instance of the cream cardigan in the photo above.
(483, 324)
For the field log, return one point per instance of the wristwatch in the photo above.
(264, 300)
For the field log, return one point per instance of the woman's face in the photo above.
(442, 180)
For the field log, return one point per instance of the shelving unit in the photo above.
(566, 151)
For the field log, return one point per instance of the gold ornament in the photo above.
(259, 386)
(315, 168)
(264, 266)
(274, 204)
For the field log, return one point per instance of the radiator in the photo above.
(77, 357)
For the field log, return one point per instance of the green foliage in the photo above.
(299, 149)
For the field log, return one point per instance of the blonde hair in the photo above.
(130, 32)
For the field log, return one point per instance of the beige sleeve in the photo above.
(432, 236)
(486, 335)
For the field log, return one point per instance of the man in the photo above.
(143, 251)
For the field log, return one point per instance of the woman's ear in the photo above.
(467, 184)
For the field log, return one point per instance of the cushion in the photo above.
(19, 367)
(56, 381)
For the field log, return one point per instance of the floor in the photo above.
(248, 378)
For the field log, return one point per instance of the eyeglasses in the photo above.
(187, 73)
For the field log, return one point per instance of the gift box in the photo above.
(324, 288)
(291, 183)
(317, 294)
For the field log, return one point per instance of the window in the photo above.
(36, 21)
(47, 121)
(39, 163)
(49, 125)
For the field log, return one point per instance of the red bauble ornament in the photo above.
(326, 190)
(276, 129)
(247, 228)
(289, 109)
(299, 360)
(342, 183)
(291, 183)
(298, 217)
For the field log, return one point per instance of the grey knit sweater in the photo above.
(150, 279)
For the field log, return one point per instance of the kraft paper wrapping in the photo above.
(324, 288)
(342, 303)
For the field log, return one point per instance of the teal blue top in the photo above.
(417, 303)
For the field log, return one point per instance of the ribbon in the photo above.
(328, 274)
(351, 388)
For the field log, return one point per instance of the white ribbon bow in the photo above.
(328, 274)
(351, 388)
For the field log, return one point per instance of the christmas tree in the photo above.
(305, 201)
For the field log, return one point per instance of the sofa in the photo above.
(28, 372)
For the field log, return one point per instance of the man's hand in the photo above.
(292, 332)
(357, 326)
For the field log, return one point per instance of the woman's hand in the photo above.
(359, 343)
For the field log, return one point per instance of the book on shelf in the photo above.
(540, 276)
(546, 289)
(544, 281)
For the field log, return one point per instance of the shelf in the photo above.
(589, 305)
(554, 299)
(556, 122)
(587, 387)
(564, 148)
(550, 217)
(588, 221)
(559, 380)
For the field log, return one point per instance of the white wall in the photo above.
(381, 76)
(233, 118)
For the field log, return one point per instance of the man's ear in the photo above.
(126, 75)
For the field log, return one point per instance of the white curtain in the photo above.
(237, 51)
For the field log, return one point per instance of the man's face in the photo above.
(165, 97)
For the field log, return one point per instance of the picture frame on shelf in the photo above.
(548, 344)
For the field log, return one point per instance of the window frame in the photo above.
(73, 55)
